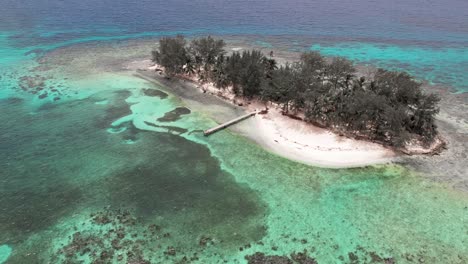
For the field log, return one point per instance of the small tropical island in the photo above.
(389, 109)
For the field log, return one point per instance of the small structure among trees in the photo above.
(389, 107)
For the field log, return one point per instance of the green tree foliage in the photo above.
(399, 87)
(278, 87)
(390, 107)
(172, 55)
(234, 71)
(206, 51)
(246, 72)
(253, 73)
(340, 72)
(422, 118)
(308, 80)
(219, 73)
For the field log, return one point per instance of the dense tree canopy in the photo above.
(172, 55)
(206, 51)
(390, 107)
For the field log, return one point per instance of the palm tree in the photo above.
(189, 67)
(270, 66)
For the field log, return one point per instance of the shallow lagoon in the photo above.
(96, 165)
(103, 164)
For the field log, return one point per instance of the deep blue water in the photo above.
(381, 20)
(426, 37)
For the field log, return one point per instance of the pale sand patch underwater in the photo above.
(5, 252)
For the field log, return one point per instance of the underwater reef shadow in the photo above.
(25, 212)
(185, 185)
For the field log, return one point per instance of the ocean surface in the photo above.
(98, 164)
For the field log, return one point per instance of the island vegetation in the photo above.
(387, 106)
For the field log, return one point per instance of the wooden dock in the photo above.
(229, 123)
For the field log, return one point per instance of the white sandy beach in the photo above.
(301, 141)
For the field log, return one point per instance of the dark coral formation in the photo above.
(111, 244)
(303, 258)
(359, 256)
(261, 258)
(155, 93)
(116, 236)
(174, 115)
(170, 129)
(205, 241)
(38, 85)
(296, 258)
(362, 255)
(32, 84)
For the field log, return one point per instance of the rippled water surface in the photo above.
(98, 164)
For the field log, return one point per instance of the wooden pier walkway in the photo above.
(229, 123)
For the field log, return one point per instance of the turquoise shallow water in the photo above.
(81, 142)
(445, 66)
(5, 252)
(76, 165)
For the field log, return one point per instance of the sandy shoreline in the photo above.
(283, 135)
(299, 141)
(128, 56)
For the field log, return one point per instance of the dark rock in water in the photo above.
(155, 93)
(120, 233)
(103, 248)
(138, 261)
(28, 83)
(170, 251)
(353, 257)
(116, 245)
(174, 114)
(261, 258)
(106, 255)
(81, 244)
(204, 240)
(296, 258)
(153, 228)
(102, 219)
(170, 129)
(126, 218)
(375, 257)
(303, 258)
